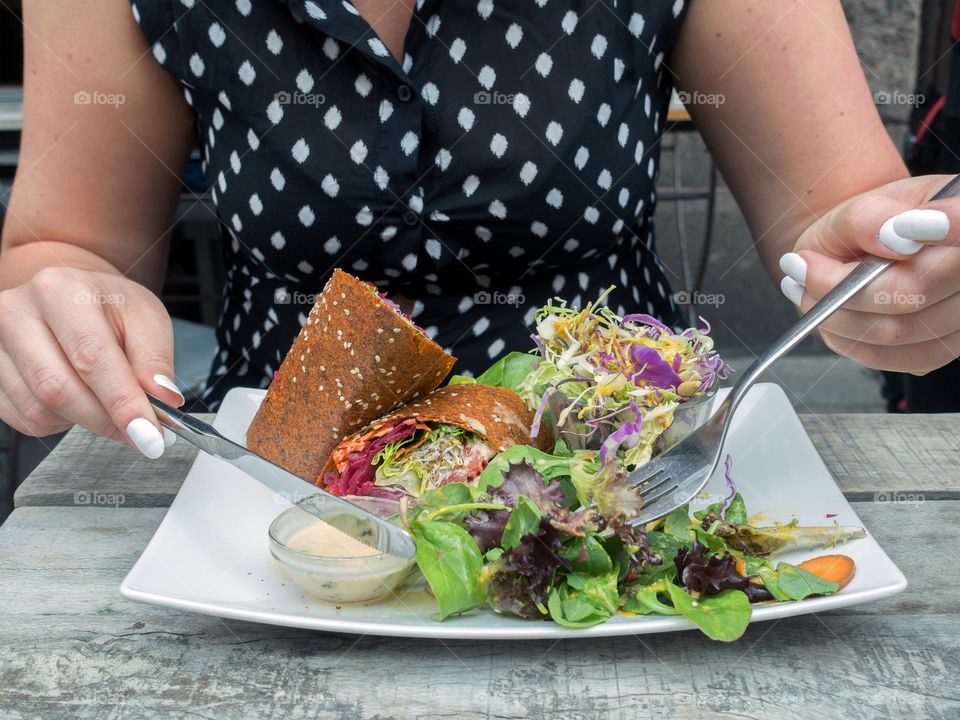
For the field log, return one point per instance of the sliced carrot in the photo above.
(832, 568)
(741, 567)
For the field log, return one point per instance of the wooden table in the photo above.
(71, 646)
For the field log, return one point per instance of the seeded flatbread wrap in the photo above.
(447, 436)
(356, 358)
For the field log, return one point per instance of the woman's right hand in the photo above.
(78, 346)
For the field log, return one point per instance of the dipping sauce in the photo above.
(330, 558)
(324, 540)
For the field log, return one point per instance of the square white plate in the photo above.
(210, 554)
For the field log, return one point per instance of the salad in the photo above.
(615, 383)
(545, 535)
(522, 542)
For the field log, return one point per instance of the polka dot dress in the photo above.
(508, 157)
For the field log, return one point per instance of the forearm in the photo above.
(797, 132)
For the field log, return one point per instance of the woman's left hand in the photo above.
(908, 319)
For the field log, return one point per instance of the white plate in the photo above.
(210, 554)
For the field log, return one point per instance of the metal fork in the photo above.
(674, 478)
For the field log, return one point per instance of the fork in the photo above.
(674, 478)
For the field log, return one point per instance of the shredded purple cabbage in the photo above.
(727, 467)
(646, 320)
(651, 366)
(628, 434)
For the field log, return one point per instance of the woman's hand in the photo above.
(908, 319)
(78, 346)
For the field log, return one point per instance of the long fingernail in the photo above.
(165, 382)
(169, 437)
(146, 437)
(792, 290)
(889, 238)
(926, 225)
(795, 267)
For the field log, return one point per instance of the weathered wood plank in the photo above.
(84, 463)
(867, 454)
(70, 646)
(909, 454)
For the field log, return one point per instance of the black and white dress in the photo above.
(510, 157)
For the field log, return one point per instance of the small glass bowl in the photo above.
(338, 580)
(577, 434)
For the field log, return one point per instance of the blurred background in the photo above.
(908, 49)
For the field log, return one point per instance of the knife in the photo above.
(391, 539)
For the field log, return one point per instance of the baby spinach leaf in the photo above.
(446, 496)
(714, 543)
(524, 519)
(677, 523)
(723, 616)
(643, 600)
(507, 372)
(736, 514)
(584, 600)
(588, 554)
(450, 560)
(788, 582)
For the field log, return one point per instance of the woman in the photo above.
(454, 153)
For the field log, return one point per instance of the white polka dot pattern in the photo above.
(509, 155)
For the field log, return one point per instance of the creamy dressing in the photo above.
(324, 540)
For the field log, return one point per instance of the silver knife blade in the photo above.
(391, 538)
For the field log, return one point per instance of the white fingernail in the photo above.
(169, 437)
(165, 382)
(146, 437)
(791, 289)
(795, 267)
(926, 225)
(890, 239)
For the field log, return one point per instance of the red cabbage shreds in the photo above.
(652, 368)
(522, 576)
(359, 475)
(627, 435)
(731, 486)
(706, 574)
(646, 320)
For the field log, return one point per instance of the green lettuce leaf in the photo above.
(524, 519)
(584, 600)
(451, 562)
(723, 616)
(788, 582)
(508, 372)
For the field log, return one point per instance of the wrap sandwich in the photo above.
(356, 358)
(448, 436)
